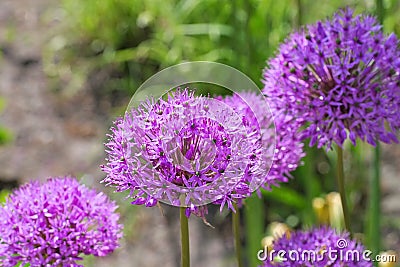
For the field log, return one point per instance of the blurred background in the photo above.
(68, 68)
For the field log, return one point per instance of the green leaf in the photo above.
(286, 196)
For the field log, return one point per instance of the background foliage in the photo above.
(112, 46)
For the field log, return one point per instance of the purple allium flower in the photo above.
(318, 247)
(186, 150)
(55, 223)
(341, 77)
(288, 146)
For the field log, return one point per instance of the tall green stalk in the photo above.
(299, 14)
(374, 205)
(236, 234)
(254, 223)
(185, 255)
(342, 191)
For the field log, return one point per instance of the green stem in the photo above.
(342, 191)
(185, 255)
(375, 196)
(236, 234)
(254, 214)
(299, 14)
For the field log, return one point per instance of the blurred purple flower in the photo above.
(318, 247)
(341, 78)
(186, 150)
(288, 149)
(54, 223)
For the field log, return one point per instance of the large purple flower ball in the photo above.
(341, 77)
(55, 223)
(185, 150)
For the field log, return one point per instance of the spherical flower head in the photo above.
(55, 223)
(317, 247)
(280, 130)
(341, 77)
(184, 150)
